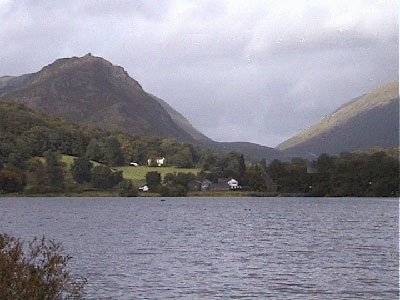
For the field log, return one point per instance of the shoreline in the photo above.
(208, 194)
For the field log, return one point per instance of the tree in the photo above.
(81, 169)
(11, 181)
(277, 169)
(113, 152)
(94, 151)
(40, 274)
(37, 177)
(183, 158)
(104, 178)
(183, 179)
(324, 163)
(173, 191)
(126, 189)
(242, 167)
(153, 180)
(256, 180)
(54, 170)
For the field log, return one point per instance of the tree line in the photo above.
(26, 136)
(374, 173)
(31, 143)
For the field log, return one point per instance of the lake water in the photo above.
(220, 248)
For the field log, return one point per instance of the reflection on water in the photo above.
(220, 248)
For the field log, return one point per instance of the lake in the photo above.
(220, 248)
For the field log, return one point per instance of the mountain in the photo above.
(90, 89)
(364, 122)
(183, 123)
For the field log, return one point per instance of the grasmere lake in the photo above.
(220, 248)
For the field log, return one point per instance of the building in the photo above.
(144, 188)
(159, 162)
(233, 184)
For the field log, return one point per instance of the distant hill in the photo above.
(252, 151)
(364, 122)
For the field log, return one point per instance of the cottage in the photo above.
(158, 161)
(233, 184)
(144, 188)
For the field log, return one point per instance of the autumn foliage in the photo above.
(38, 274)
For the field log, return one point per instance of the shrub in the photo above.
(153, 180)
(40, 274)
(126, 189)
(11, 181)
(173, 191)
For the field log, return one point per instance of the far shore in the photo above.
(110, 193)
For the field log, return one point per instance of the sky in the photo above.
(256, 71)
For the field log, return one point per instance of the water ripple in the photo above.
(223, 248)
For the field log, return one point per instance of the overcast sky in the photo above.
(244, 70)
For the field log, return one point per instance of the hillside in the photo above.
(90, 89)
(182, 122)
(364, 122)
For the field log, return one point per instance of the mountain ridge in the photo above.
(371, 113)
(90, 89)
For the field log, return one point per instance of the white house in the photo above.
(134, 164)
(159, 161)
(144, 188)
(233, 184)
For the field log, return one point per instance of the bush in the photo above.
(126, 189)
(11, 181)
(153, 180)
(41, 274)
(173, 191)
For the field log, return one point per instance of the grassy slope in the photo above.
(139, 173)
(69, 160)
(136, 173)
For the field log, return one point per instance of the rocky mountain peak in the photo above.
(83, 69)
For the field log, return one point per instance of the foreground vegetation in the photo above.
(40, 273)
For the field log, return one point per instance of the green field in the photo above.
(136, 174)
(69, 160)
(139, 173)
